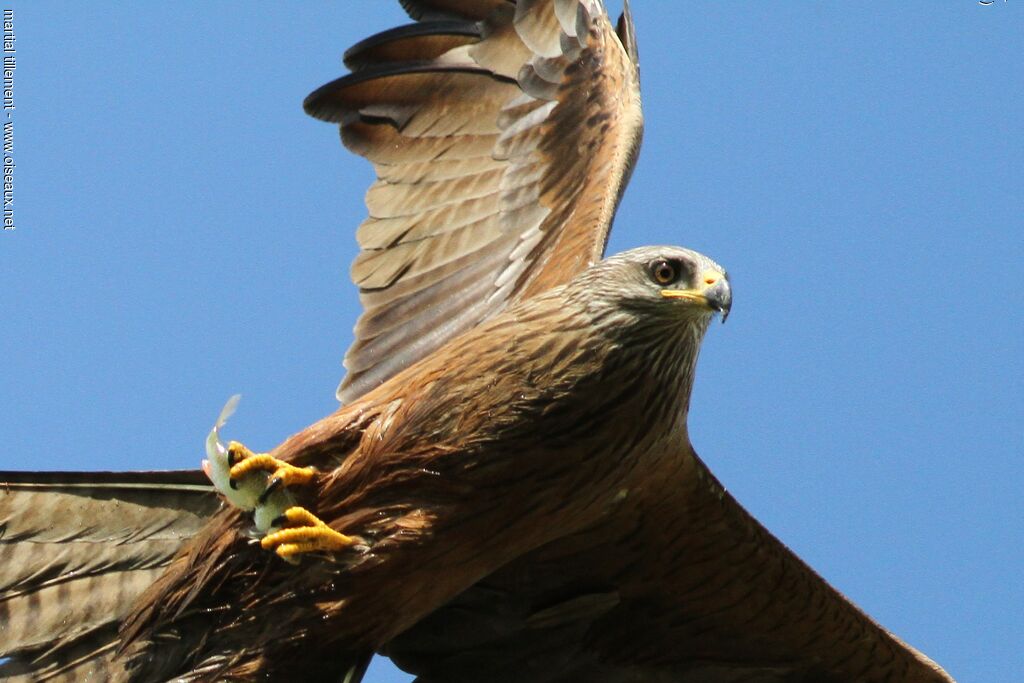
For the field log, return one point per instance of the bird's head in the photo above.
(648, 310)
(665, 284)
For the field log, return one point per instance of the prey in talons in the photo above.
(259, 483)
(254, 482)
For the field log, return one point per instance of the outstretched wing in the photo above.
(76, 550)
(687, 587)
(503, 135)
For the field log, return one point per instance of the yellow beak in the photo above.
(713, 293)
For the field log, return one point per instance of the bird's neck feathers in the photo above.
(661, 352)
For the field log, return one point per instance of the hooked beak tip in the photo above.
(719, 296)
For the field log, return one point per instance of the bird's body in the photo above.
(508, 492)
(532, 427)
(542, 460)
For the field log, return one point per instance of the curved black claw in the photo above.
(272, 485)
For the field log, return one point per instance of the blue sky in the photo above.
(184, 233)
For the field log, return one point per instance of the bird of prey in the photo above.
(508, 491)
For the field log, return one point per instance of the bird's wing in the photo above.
(503, 135)
(76, 549)
(687, 587)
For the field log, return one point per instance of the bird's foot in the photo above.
(247, 487)
(244, 462)
(262, 482)
(259, 482)
(307, 534)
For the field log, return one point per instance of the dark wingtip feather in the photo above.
(626, 30)
(329, 103)
(422, 41)
(475, 10)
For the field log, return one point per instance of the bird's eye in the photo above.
(664, 272)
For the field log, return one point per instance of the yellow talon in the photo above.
(285, 474)
(237, 452)
(311, 535)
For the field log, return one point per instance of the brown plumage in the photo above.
(529, 506)
(76, 550)
(502, 138)
(521, 432)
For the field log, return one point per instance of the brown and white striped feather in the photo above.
(76, 551)
(502, 136)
